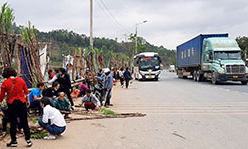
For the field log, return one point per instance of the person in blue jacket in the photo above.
(127, 77)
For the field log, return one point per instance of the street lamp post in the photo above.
(136, 38)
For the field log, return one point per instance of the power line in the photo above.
(114, 17)
(110, 19)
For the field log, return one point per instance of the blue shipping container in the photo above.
(189, 54)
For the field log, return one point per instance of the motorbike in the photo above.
(99, 90)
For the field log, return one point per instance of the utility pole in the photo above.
(91, 23)
(136, 36)
(136, 40)
(92, 65)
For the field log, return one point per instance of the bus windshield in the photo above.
(227, 55)
(149, 63)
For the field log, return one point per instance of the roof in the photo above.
(146, 54)
(226, 43)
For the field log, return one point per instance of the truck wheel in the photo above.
(214, 78)
(244, 82)
(180, 74)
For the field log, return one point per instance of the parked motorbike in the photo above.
(99, 90)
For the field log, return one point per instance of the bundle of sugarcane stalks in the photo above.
(7, 40)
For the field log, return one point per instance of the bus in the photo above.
(147, 66)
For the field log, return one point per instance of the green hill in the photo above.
(65, 42)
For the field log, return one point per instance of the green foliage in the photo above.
(34, 120)
(28, 33)
(106, 111)
(6, 18)
(243, 44)
(39, 135)
(65, 42)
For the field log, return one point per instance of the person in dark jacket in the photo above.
(52, 92)
(127, 77)
(65, 84)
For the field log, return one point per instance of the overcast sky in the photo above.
(170, 22)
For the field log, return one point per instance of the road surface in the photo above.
(181, 114)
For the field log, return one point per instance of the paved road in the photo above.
(181, 114)
(230, 85)
(186, 114)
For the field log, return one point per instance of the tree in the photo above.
(243, 44)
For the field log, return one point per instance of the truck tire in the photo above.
(244, 82)
(214, 78)
(180, 74)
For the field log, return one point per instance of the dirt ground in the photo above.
(78, 134)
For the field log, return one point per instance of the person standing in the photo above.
(15, 87)
(127, 77)
(65, 84)
(121, 75)
(99, 74)
(50, 74)
(108, 85)
(54, 78)
(88, 78)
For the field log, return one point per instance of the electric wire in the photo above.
(123, 28)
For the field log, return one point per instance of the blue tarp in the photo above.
(25, 63)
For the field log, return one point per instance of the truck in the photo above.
(214, 57)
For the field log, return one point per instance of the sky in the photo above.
(169, 22)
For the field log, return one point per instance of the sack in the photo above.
(4, 105)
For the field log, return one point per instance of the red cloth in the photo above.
(17, 92)
(50, 76)
(89, 105)
(75, 93)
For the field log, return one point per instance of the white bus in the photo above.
(147, 66)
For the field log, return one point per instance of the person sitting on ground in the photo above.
(34, 96)
(90, 101)
(52, 120)
(61, 103)
(83, 89)
(51, 92)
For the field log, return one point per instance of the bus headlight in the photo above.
(221, 71)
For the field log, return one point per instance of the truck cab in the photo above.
(221, 60)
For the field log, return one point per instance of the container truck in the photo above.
(214, 57)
